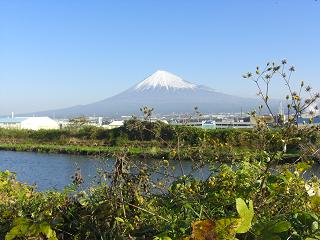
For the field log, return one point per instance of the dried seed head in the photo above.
(307, 101)
(276, 68)
(292, 69)
(308, 88)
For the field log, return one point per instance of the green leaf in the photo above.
(21, 228)
(302, 166)
(119, 220)
(246, 215)
(226, 227)
(279, 227)
(162, 236)
(315, 226)
(46, 229)
(13, 233)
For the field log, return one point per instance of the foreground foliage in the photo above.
(286, 206)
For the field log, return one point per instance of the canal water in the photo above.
(54, 171)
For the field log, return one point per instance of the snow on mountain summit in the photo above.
(163, 79)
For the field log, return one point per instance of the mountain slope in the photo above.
(166, 93)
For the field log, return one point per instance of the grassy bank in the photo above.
(207, 155)
(133, 133)
(103, 151)
(143, 139)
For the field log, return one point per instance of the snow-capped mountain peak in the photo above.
(164, 79)
(166, 93)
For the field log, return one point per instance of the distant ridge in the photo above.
(166, 93)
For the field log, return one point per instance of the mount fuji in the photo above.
(166, 93)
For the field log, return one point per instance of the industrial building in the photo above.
(114, 124)
(32, 123)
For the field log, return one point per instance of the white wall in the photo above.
(10, 125)
(36, 123)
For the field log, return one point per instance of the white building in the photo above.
(114, 124)
(11, 122)
(208, 124)
(32, 123)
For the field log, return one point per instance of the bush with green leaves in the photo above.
(131, 206)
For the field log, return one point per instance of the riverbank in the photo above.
(186, 154)
(104, 151)
(147, 140)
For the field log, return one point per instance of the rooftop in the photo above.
(12, 120)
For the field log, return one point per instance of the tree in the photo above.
(147, 113)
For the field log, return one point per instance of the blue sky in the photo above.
(59, 53)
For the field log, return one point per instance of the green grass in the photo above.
(186, 154)
(105, 151)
